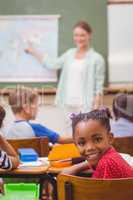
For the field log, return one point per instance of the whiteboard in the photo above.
(16, 32)
(120, 43)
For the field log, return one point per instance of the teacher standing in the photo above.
(81, 82)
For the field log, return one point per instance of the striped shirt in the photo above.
(5, 162)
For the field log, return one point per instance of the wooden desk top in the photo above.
(33, 170)
(56, 170)
(26, 170)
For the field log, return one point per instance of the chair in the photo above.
(40, 145)
(1, 187)
(79, 188)
(124, 144)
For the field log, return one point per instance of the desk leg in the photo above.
(51, 180)
(41, 182)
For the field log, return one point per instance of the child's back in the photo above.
(122, 125)
(8, 156)
(122, 128)
(26, 129)
(24, 104)
(18, 129)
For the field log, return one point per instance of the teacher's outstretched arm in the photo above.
(46, 60)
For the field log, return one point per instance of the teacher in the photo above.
(81, 82)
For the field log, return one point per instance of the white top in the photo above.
(94, 72)
(74, 90)
(18, 130)
(122, 127)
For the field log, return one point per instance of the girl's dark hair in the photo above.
(84, 25)
(102, 115)
(123, 106)
(2, 115)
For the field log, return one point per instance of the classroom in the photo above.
(66, 100)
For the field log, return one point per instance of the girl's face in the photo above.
(92, 140)
(81, 37)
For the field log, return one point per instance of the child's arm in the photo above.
(65, 140)
(5, 146)
(76, 168)
(42, 131)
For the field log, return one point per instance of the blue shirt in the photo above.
(122, 127)
(26, 129)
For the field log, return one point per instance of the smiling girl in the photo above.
(91, 132)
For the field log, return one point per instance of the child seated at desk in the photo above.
(122, 125)
(8, 157)
(24, 104)
(91, 133)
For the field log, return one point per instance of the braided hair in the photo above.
(2, 115)
(102, 115)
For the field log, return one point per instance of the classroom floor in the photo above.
(48, 114)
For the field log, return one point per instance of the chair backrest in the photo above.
(124, 144)
(40, 145)
(1, 187)
(79, 188)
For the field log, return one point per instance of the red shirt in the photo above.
(112, 165)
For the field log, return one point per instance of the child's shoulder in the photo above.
(18, 129)
(111, 159)
(112, 165)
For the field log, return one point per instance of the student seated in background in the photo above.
(8, 157)
(122, 125)
(24, 104)
(91, 133)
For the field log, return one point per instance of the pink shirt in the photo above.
(112, 165)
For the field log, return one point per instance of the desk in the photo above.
(56, 170)
(43, 173)
(39, 172)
